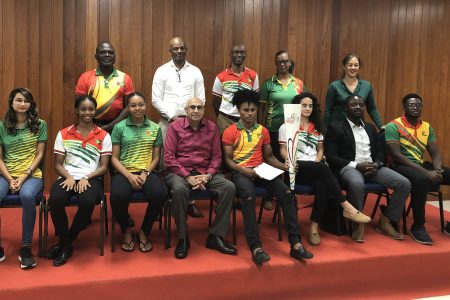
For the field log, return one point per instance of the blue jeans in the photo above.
(28, 193)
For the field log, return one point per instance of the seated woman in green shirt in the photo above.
(136, 151)
(350, 84)
(23, 138)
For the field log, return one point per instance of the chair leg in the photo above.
(160, 219)
(41, 252)
(280, 233)
(45, 237)
(275, 212)
(106, 215)
(405, 227)
(234, 224)
(409, 208)
(113, 233)
(377, 203)
(168, 227)
(261, 209)
(211, 207)
(102, 227)
(441, 210)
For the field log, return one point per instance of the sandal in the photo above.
(147, 247)
(144, 247)
(128, 247)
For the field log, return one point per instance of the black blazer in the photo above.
(340, 147)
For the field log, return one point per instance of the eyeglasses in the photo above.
(283, 62)
(198, 107)
(413, 105)
(178, 76)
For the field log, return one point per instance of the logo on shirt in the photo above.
(98, 142)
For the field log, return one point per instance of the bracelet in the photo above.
(30, 172)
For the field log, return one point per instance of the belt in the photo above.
(235, 119)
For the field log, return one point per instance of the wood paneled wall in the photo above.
(404, 44)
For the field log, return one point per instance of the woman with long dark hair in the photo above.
(82, 153)
(23, 138)
(312, 171)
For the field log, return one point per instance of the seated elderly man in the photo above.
(247, 145)
(193, 156)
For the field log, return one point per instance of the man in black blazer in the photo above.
(355, 154)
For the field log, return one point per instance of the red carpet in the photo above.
(341, 269)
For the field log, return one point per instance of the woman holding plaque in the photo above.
(312, 171)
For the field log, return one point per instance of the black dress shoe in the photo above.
(53, 251)
(217, 243)
(301, 253)
(63, 257)
(181, 251)
(193, 211)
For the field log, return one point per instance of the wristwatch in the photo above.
(380, 165)
(146, 172)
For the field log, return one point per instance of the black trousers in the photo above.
(57, 201)
(420, 185)
(319, 176)
(245, 187)
(121, 190)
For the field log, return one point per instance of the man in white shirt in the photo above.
(355, 155)
(173, 85)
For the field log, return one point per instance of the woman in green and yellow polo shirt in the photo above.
(23, 138)
(136, 151)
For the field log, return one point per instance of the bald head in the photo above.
(195, 110)
(178, 49)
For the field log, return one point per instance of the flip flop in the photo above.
(143, 246)
(128, 247)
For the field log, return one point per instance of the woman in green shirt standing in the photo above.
(350, 84)
(276, 91)
(23, 138)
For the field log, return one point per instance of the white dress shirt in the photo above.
(362, 144)
(172, 88)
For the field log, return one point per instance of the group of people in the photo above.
(113, 132)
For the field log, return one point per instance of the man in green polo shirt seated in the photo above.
(407, 139)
